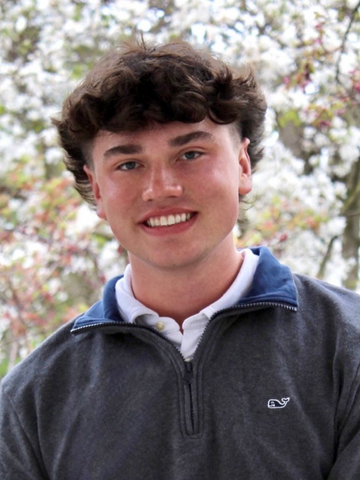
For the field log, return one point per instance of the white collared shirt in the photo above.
(193, 327)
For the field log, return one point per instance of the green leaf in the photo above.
(289, 116)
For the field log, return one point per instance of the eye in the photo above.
(191, 155)
(128, 166)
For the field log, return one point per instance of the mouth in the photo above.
(168, 220)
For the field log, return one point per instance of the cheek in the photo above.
(119, 191)
(223, 183)
(222, 196)
(117, 200)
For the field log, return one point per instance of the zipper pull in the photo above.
(189, 371)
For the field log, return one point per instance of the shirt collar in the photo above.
(130, 308)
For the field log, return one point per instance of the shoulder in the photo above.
(331, 314)
(54, 355)
(316, 294)
(30, 371)
(60, 354)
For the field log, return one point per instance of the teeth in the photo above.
(171, 220)
(165, 221)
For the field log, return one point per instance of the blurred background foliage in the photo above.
(55, 255)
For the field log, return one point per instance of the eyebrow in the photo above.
(127, 149)
(130, 149)
(184, 139)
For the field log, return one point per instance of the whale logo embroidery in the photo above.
(273, 403)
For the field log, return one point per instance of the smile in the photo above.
(167, 220)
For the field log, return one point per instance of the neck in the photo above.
(183, 292)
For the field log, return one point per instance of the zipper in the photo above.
(188, 376)
(240, 307)
(113, 323)
(188, 371)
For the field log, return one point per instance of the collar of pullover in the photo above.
(273, 283)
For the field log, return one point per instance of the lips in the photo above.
(168, 220)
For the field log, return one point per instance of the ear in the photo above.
(245, 182)
(96, 192)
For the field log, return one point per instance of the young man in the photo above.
(201, 362)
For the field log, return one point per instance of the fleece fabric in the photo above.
(271, 393)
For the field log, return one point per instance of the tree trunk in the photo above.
(351, 237)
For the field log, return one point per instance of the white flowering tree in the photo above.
(55, 255)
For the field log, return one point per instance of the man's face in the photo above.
(171, 192)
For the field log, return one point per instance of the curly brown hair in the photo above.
(138, 84)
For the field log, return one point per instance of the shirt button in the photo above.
(160, 326)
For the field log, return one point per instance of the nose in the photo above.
(161, 183)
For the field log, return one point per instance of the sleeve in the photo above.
(347, 461)
(17, 455)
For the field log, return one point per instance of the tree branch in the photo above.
(342, 48)
(326, 257)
